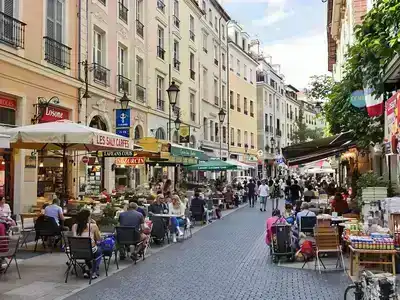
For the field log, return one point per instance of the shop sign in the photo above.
(8, 103)
(184, 134)
(181, 151)
(85, 159)
(130, 161)
(122, 153)
(122, 118)
(123, 132)
(52, 114)
(112, 142)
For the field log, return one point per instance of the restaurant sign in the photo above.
(130, 161)
(122, 153)
(112, 142)
(52, 114)
(8, 103)
(183, 151)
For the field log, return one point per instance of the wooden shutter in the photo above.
(8, 7)
(50, 23)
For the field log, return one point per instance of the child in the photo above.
(288, 210)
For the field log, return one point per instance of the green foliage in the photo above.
(302, 133)
(108, 217)
(369, 179)
(319, 87)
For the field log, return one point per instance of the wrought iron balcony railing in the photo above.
(140, 28)
(124, 84)
(12, 31)
(123, 12)
(177, 22)
(101, 75)
(160, 52)
(57, 53)
(140, 93)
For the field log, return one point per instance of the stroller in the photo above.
(281, 242)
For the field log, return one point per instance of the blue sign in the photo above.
(123, 118)
(122, 131)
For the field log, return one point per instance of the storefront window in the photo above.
(50, 175)
(94, 177)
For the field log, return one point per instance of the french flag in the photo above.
(374, 105)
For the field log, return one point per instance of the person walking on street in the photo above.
(251, 187)
(276, 194)
(263, 192)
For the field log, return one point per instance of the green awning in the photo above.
(212, 165)
(178, 150)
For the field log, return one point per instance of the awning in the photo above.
(212, 165)
(178, 150)
(318, 149)
(239, 165)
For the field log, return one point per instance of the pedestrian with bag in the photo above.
(251, 189)
(263, 193)
(276, 194)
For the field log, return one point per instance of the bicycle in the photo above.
(364, 289)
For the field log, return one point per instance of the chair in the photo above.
(128, 236)
(8, 250)
(307, 224)
(27, 227)
(46, 227)
(327, 241)
(79, 251)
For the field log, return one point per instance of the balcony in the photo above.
(177, 64)
(192, 74)
(193, 117)
(261, 77)
(191, 35)
(239, 144)
(246, 112)
(223, 67)
(278, 132)
(215, 61)
(101, 74)
(56, 53)
(239, 109)
(161, 5)
(160, 52)
(124, 84)
(140, 28)
(252, 114)
(12, 31)
(232, 106)
(177, 22)
(140, 93)
(160, 104)
(216, 100)
(123, 12)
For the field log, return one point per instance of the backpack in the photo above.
(276, 192)
(108, 244)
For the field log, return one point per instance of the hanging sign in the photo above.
(122, 153)
(130, 161)
(85, 159)
(123, 132)
(122, 118)
(53, 113)
(112, 142)
(357, 98)
(184, 134)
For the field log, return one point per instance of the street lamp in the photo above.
(221, 116)
(173, 92)
(178, 123)
(318, 108)
(124, 101)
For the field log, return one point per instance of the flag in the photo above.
(374, 105)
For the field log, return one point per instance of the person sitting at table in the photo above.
(275, 218)
(55, 211)
(5, 213)
(176, 208)
(106, 195)
(167, 188)
(157, 207)
(304, 212)
(197, 206)
(309, 194)
(339, 205)
(85, 228)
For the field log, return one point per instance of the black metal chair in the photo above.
(8, 250)
(197, 214)
(47, 229)
(127, 236)
(307, 224)
(79, 251)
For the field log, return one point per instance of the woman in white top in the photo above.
(5, 212)
(84, 227)
(176, 208)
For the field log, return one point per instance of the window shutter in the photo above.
(50, 19)
(8, 7)
(59, 20)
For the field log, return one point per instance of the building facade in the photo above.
(38, 59)
(242, 117)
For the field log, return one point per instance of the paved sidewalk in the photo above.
(43, 274)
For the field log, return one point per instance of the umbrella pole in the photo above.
(65, 179)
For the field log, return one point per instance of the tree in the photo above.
(319, 87)
(302, 133)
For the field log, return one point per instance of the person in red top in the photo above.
(339, 205)
(106, 195)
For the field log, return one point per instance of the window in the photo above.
(251, 109)
(204, 6)
(210, 16)
(216, 132)
(245, 138)
(223, 61)
(223, 32)
(231, 100)
(238, 102)
(139, 18)
(205, 37)
(160, 93)
(211, 131)
(232, 136)
(252, 140)
(244, 44)
(177, 62)
(191, 28)
(191, 66)
(123, 11)
(122, 68)
(216, 98)
(192, 107)
(216, 23)
(245, 106)
(205, 85)
(215, 55)
(236, 37)
(161, 5)
(271, 124)
(239, 138)
(55, 18)
(160, 42)
(251, 76)
(103, 2)
(140, 90)
(98, 46)
(270, 100)
(231, 61)
(223, 97)
(205, 129)
(224, 134)
(238, 67)
(245, 72)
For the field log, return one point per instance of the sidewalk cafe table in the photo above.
(165, 215)
(355, 261)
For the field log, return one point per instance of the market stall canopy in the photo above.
(239, 165)
(4, 141)
(212, 165)
(318, 149)
(67, 135)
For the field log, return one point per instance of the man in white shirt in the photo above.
(263, 193)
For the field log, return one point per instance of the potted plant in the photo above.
(107, 220)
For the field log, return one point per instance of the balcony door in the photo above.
(54, 31)
(8, 31)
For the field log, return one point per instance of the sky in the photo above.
(293, 32)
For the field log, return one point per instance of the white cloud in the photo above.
(276, 11)
(300, 58)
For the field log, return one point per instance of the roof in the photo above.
(331, 41)
(221, 10)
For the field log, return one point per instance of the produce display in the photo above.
(375, 241)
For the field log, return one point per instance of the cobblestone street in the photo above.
(226, 260)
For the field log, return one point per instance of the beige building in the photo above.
(38, 59)
(242, 117)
